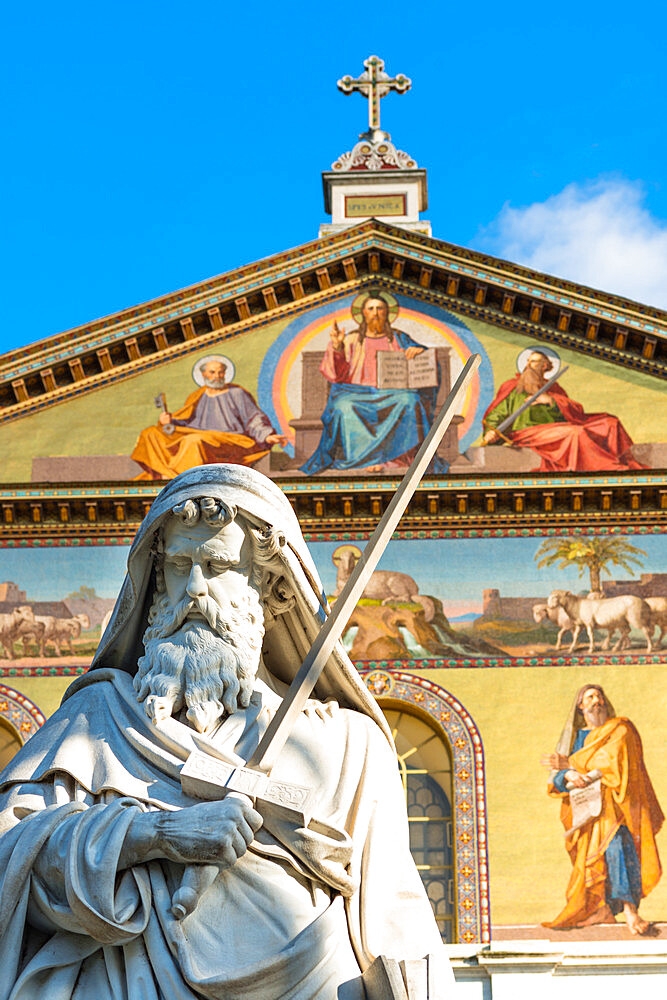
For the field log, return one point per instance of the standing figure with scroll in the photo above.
(610, 814)
(382, 400)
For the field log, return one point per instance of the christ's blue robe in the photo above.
(364, 426)
(624, 879)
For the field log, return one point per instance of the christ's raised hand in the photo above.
(337, 337)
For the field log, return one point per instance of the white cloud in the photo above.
(598, 233)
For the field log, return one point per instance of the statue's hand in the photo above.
(491, 437)
(219, 832)
(208, 833)
(164, 418)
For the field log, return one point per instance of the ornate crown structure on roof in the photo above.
(375, 151)
(375, 179)
(369, 154)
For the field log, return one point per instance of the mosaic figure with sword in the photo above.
(533, 410)
(191, 822)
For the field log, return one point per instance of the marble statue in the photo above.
(219, 606)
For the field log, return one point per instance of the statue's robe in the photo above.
(296, 918)
(225, 427)
(628, 801)
(363, 425)
(565, 437)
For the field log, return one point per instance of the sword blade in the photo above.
(508, 421)
(299, 690)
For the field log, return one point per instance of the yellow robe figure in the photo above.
(628, 799)
(196, 440)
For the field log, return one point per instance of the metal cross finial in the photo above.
(374, 84)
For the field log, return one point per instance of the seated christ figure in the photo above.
(219, 422)
(363, 426)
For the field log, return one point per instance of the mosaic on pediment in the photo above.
(349, 389)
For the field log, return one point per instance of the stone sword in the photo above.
(209, 772)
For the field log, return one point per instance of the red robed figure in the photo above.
(579, 442)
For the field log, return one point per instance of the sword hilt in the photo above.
(197, 879)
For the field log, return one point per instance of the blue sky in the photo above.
(151, 145)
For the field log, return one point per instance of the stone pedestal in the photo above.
(314, 396)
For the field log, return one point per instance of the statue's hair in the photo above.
(207, 509)
(267, 574)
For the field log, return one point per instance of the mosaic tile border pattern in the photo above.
(472, 865)
(85, 541)
(21, 713)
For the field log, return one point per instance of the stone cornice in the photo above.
(330, 508)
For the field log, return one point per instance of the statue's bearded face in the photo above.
(206, 626)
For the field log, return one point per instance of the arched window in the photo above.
(19, 720)
(10, 742)
(438, 740)
(425, 764)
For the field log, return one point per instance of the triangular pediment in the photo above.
(542, 306)
(76, 405)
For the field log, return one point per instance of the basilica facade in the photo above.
(530, 566)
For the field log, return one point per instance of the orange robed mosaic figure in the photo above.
(614, 855)
(219, 422)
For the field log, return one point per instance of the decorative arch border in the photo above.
(21, 713)
(470, 831)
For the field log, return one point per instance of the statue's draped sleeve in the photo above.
(62, 896)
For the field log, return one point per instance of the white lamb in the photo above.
(57, 631)
(11, 624)
(558, 616)
(658, 607)
(609, 613)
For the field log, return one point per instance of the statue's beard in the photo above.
(208, 667)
